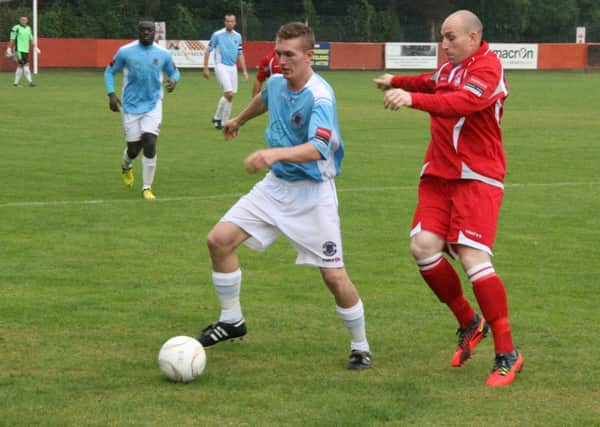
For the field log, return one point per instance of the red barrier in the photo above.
(97, 53)
(357, 56)
(557, 56)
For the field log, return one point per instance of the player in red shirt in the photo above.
(268, 65)
(461, 186)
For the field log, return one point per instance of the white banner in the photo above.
(160, 31)
(411, 56)
(580, 35)
(516, 56)
(188, 53)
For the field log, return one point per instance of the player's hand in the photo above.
(245, 73)
(231, 129)
(114, 103)
(259, 160)
(38, 51)
(394, 99)
(206, 73)
(384, 82)
(170, 85)
(8, 52)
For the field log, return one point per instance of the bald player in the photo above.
(461, 185)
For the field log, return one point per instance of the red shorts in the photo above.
(463, 212)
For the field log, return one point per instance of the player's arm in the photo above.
(211, 47)
(256, 88)
(480, 89)
(111, 70)
(261, 159)
(173, 74)
(257, 106)
(242, 60)
(419, 83)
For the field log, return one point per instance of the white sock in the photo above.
(227, 110)
(228, 287)
(27, 73)
(18, 75)
(220, 106)
(354, 319)
(148, 171)
(126, 163)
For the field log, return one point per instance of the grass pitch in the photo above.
(93, 279)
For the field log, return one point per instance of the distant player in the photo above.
(21, 39)
(296, 199)
(227, 45)
(462, 185)
(268, 66)
(143, 63)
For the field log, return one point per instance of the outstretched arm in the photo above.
(231, 128)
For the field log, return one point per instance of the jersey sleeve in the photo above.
(321, 126)
(213, 42)
(419, 83)
(483, 86)
(13, 33)
(263, 70)
(171, 68)
(113, 68)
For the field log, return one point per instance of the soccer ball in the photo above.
(182, 359)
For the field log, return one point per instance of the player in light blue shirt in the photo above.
(226, 43)
(297, 198)
(143, 63)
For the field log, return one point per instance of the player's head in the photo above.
(146, 31)
(23, 20)
(294, 46)
(462, 33)
(229, 22)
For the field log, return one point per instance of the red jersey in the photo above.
(465, 102)
(269, 65)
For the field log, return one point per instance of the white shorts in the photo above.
(227, 77)
(306, 212)
(137, 124)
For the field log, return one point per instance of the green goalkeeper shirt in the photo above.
(22, 37)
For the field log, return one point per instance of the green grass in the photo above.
(93, 279)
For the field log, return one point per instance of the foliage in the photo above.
(343, 20)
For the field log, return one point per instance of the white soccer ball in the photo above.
(182, 359)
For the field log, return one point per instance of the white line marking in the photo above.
(237, 195)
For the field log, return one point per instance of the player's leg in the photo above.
(220, 74)
(150, 127)
(350, 309)
(246, 222)
(132, 150)
(474, 240)
(19, 70)
(26, 70)
(232, 86)
(222, 241)
(133, 136)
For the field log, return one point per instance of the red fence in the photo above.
(97, 53)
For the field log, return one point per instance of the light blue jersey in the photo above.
(142, 75)
(227, 46)
(295, 118)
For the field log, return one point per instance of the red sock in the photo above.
(445, 283)
(491, 297)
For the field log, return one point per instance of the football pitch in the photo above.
(93, 279)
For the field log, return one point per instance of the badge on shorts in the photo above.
(329, 248)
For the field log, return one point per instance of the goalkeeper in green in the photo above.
(21, 38)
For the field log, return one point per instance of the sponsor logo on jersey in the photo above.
(476, 90)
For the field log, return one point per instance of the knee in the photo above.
(228, 96)
(218, 242)
(424, 245)
(149, 144)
